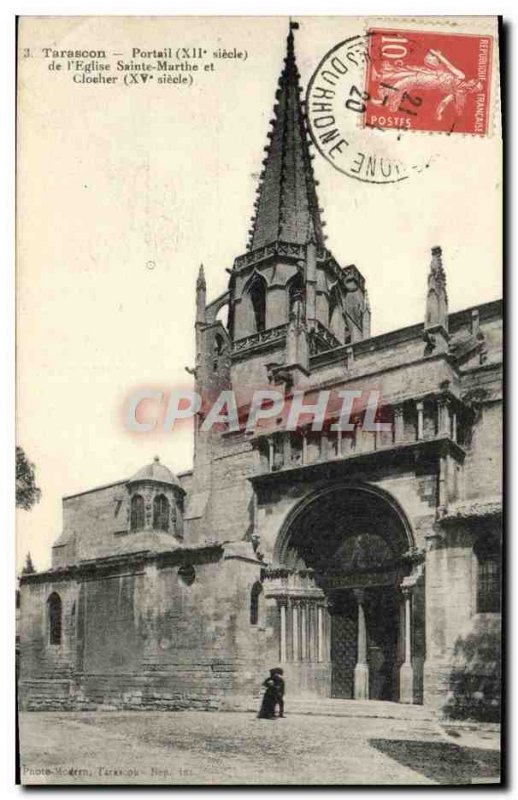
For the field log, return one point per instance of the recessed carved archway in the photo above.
(352, 508)
(342, 565)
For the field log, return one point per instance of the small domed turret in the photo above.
(157, 473)
(156, 500)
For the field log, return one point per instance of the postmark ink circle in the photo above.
(336, 102)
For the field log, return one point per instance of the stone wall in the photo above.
(484, 465)
(451, 613)
(474, 686)
(136, 634)
(149, 639)
(38, 657)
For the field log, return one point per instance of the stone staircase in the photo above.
(381, 709)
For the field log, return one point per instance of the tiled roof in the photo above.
(155, 472)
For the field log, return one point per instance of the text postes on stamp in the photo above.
(428, 81)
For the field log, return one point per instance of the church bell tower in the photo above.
(288, 298)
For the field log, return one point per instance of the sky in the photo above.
(124, 190)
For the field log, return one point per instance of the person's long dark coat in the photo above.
(278, 683)
(270, 700)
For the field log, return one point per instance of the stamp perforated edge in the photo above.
(463, 26)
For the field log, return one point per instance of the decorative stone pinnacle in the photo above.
(437, 272)
(200, 283)
(156, 459)
(437, 299)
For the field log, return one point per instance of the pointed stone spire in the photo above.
(287, 205)
(28, 568)
(201, 296)
(200, 282)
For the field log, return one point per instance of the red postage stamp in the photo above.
(427, 81)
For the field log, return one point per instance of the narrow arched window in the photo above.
(161, 513)
(258, 300)
(335, 307)
(255, 595)
(73, 621)
(337, 323)
(137, 512)
(295, 291)
(218, 344)
(217, 349)
(487, 553)
(54, 609)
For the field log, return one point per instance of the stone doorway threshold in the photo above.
(379, 709)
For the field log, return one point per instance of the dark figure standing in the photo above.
(278, 681)
(273, 695)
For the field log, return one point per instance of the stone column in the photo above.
(324, 446)
(313, 653)
(295, 627)
(328, 634)
(304, 448)
(320, 633)
(283, 632)
(355, 444)
(303, 632)
(399, 425)
(406, 672)
(443, 413)
(437, 587)
(270, 454)
(361, 670)
(420, 420)
(286, 449)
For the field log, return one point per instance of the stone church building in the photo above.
(356, 561)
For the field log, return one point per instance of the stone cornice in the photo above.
(132, 561)
(475, 509)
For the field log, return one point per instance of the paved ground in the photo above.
(237, 748)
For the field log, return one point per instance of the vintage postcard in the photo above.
(259, 415)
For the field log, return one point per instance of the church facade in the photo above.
(357, 561)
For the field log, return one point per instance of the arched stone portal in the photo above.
(348, 586)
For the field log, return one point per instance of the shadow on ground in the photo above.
(443, 762)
